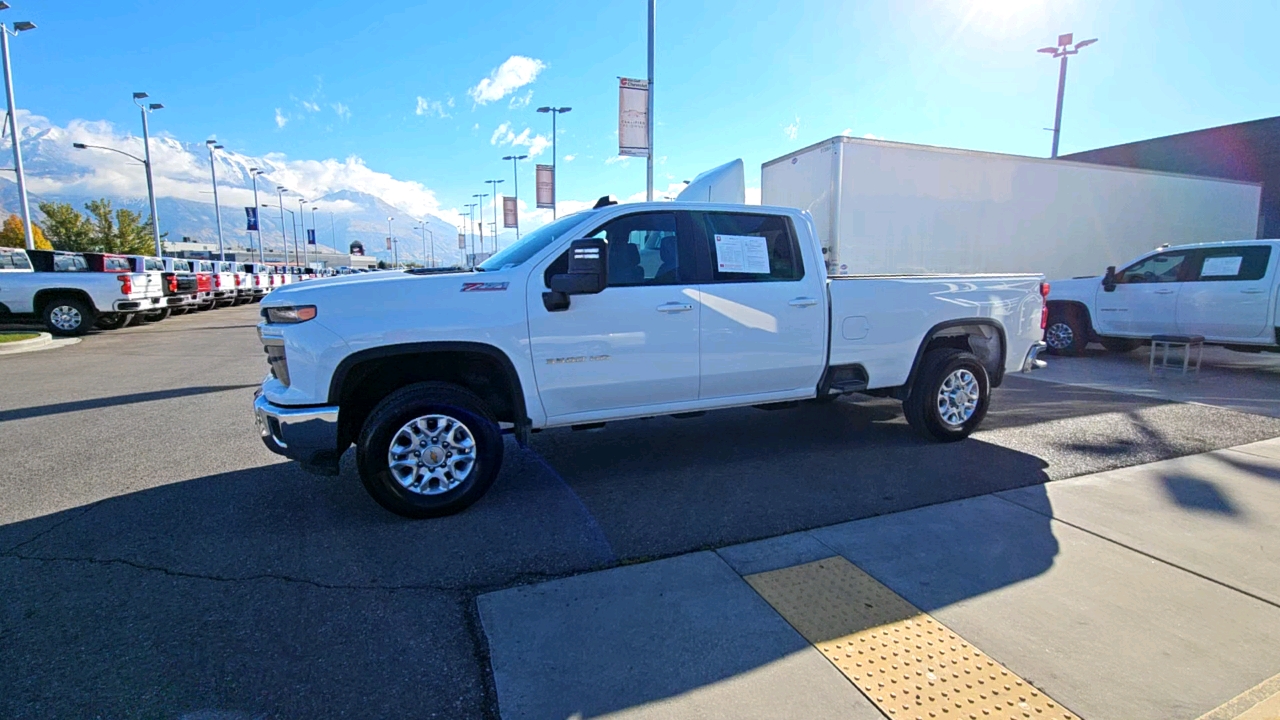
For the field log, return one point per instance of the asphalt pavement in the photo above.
(156, 560)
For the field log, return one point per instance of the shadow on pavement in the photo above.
(114, 401)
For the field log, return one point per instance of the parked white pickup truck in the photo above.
(60, 289)
(1224, 292)
(623, 311)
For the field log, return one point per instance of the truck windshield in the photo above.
(535, 241)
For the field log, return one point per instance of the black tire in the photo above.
(922, 404)
(415, 401)
(68, 316)
(157, 316)
(1120, 345)
(111, 321)
(1065, 333)
(133, 320)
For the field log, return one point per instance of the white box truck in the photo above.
(886, 208)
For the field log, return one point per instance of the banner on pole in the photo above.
(510, 215)
(462, 241)
(311, 236)
(251, 218)
(546, 182)
(388, 243)
(633, 117)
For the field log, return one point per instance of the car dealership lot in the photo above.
(156, 560)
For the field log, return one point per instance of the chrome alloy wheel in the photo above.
(1059, 336)
(65, 317)
(958, 398)
(432, 454)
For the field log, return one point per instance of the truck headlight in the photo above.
(289, 314)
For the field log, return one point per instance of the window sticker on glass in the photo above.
(742, 254)
(1220, 266)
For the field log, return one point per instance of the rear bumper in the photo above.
(308, 435)
(141, 304)
(1031, 362)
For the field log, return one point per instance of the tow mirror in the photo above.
(1109, 280)
(588, 274)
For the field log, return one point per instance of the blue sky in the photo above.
(747, 78)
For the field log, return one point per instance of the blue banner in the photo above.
(251, 218)
(311, 236)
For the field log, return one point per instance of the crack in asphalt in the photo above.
(84, 511)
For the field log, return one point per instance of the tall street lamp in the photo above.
(315, 230)
(471, 231)
(395, 245)
(422, 225)
(555, 172)
(254, 173)
(1063, 50)
(480, 201)
(146, 147)
(293, 220)
(13, 123)
(493, 185)
(284, 238)
(217, 209)
(302, 220)
(146, 163)
(515, 185)
(649, 112)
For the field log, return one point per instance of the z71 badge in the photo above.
(484, 287)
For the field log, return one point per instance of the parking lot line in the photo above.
(902, 659)
(1260, 702)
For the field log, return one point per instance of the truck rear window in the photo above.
(116, 264)
(69, 263)
(14, 261)
(746, 247)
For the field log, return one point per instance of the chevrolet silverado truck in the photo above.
(1225, 292)
(622, 311)
(70, 298)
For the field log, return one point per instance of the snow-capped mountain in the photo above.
(351, 201)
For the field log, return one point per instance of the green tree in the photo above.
(12, 235)
(66, 228)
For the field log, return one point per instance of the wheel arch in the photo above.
(47, 295)
(958, 334)
(1076, 308)
(364, 378)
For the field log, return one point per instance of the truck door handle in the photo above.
(1163, 292)
(1252, 291)
(802, 302)
(674, 307)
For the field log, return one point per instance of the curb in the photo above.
(44, 341)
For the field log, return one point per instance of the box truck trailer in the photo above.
(887, 208)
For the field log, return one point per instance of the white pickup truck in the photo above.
(623, 311)
(1225, 292)
(62, 290)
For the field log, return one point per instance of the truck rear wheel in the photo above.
(68, 316)
(949, 397)
(1065, 334)
(429, 449)
(111, 321)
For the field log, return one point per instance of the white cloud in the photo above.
(513, 74)
(310, 106)
(538, 145)
(570, 158)
(847, 132)
(281, 119)
(869, 136)
(343, 111)
(615, 159)
(503, 135)
(428, 107)
(518, 102)
(792, 130)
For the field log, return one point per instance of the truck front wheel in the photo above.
(949, 397)
(429, 449)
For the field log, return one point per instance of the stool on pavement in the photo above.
(1187, 343)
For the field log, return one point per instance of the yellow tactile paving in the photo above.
(907, 663)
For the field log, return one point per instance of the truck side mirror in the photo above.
(588, 274)
(1109, 280)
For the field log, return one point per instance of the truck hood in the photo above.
(362, 284)
(1081, 289)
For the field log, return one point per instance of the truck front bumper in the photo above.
(308, 434)
(1031, 363)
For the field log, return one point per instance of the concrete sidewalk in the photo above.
(1147, 592)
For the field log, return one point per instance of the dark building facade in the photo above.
(1245, 151)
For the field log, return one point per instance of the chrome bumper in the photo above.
(1031, 363)
(308, 435)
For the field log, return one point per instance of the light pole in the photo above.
(480, 202)
(302, 220)
(284, 238)
(515, 186)
(146, 147)
(13, 123)
(422, 225)
(493, 185)
(1063, 50)
(293, 220)
(649, 185)
(144, 162)
(471, 232)
(395, 245)
(555, 172)
(254, 173)
(217, 209)
(315, 230)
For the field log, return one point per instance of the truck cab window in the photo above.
(1231, 263)
(645, 249)
(747, 247)
(1162, 268)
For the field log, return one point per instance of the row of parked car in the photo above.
(72, 292)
